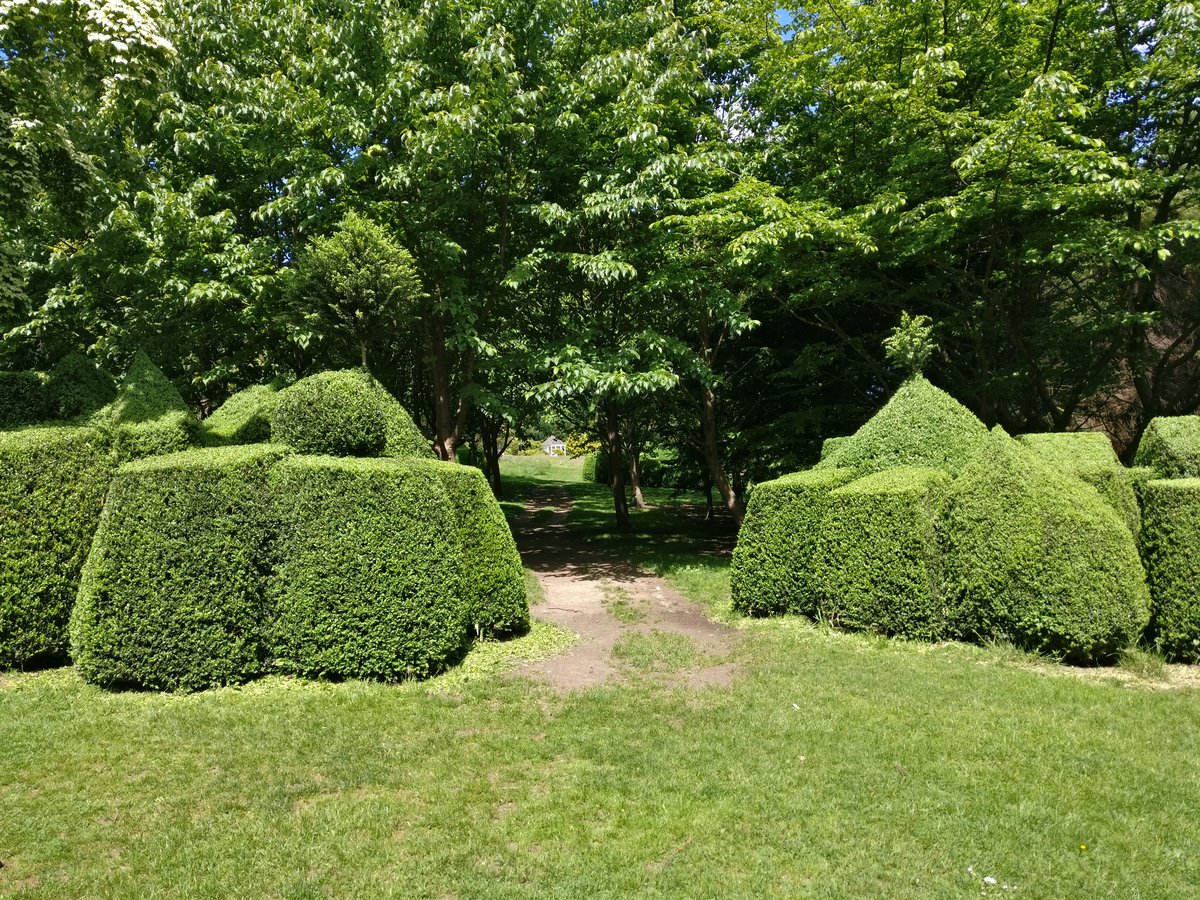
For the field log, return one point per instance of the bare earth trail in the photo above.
(593, 592)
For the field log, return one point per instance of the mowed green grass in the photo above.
(834, 766)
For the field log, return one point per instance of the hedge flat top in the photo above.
(920, 425)
(207, 457)
(902, 479)
(1171, 444)
(37, 437)
(1183, 485)
(1074, 450)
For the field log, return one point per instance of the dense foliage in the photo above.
(22, 398)
(148, 417)
(76, 388)
(1171, 549)
(245, 418)
(52, 487)
(1088, 455)
(174, 593)
(1171, 447)
(334, 413)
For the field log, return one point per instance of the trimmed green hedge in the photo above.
(75, 388)
(830, 445)
(22, 399)
(1089, 456)
(148, 416)
(1171, 446)
(1037, 558)
(590, 464)
(878, 558)
(773, 568)
(368, 565)
(52, 487)
(245, 418)
(919, 426)
(1171, 550)
(493, 579)
(174, 593)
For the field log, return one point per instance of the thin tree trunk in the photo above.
(444, 437)
(635, 475)
(712, 456)
(616, 471)
(491, 455)
(710, 507)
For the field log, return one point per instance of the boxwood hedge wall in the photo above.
(1089, 456)
(1171, 549)
(173, 596)
(493, 579)
(245, 418)
(368, 569)
(1035, 557)
(1171, 446)
(52, 487)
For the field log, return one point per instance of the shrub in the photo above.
(22, 399)
(148, 417)
(830, 445)
(590, 463)
(75, 388)
(920, 426)
(1171, 446)
(173, 596)
(403, 438)
(493, 580)
(368, 571)
(1171, 550)
(1089, 456)
(52, 486)
(773, 568)
(878, 557)
(1035, 557)
(245, 418)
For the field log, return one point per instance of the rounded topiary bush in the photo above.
(493, 579)
(775, 567)
(22, 399)
(1034, 556)
(919, 426)
(1171, 446)
(173, 596)
(52, 487)
(1171, 549)
(76, 388)
(332, 413)
(245, 418)
(367, 581)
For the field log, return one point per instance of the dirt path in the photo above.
(655, 631)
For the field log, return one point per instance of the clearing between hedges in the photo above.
(626, 619)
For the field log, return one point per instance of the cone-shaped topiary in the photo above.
(1089, 456)
(920, 426)
(245, 418)
(1034, 556)
(173, 596)
(75, 388)
(1171, 446)
(148, 416)
(52, 487)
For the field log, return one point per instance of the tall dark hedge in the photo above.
(772, 569)
(52, 487)
(333, 413)
(245, 418)
(1089, 456)
(148, 416)
(368, 574)
(1171, 446)
(919, 426)
(75, 388)
(22, 399)
(878, 556)
(493, 579)
(1036, 557)
(174, 593)
(1171, 550)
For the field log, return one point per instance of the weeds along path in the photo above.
(630, 625)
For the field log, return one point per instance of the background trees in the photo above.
(682, 224)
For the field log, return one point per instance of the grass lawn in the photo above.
(835, 766)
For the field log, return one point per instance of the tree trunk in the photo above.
(491, 454)
(445, 439)
(635, 475)
(709, 507)
(712, 456)
(616, 471)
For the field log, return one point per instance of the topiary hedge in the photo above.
(1171, 550)
(22, 399)
(772, 569)
(590, 463)
(919, 426)
(368, 569)
(1037, 558)
(148, 416)
(1089, 456)
(75, 388)
(52, 487)
(403, 438)
(174, 593)
(245, 418)
(1171, 446)
(878, 557)
(493, 579)
(830, 445)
